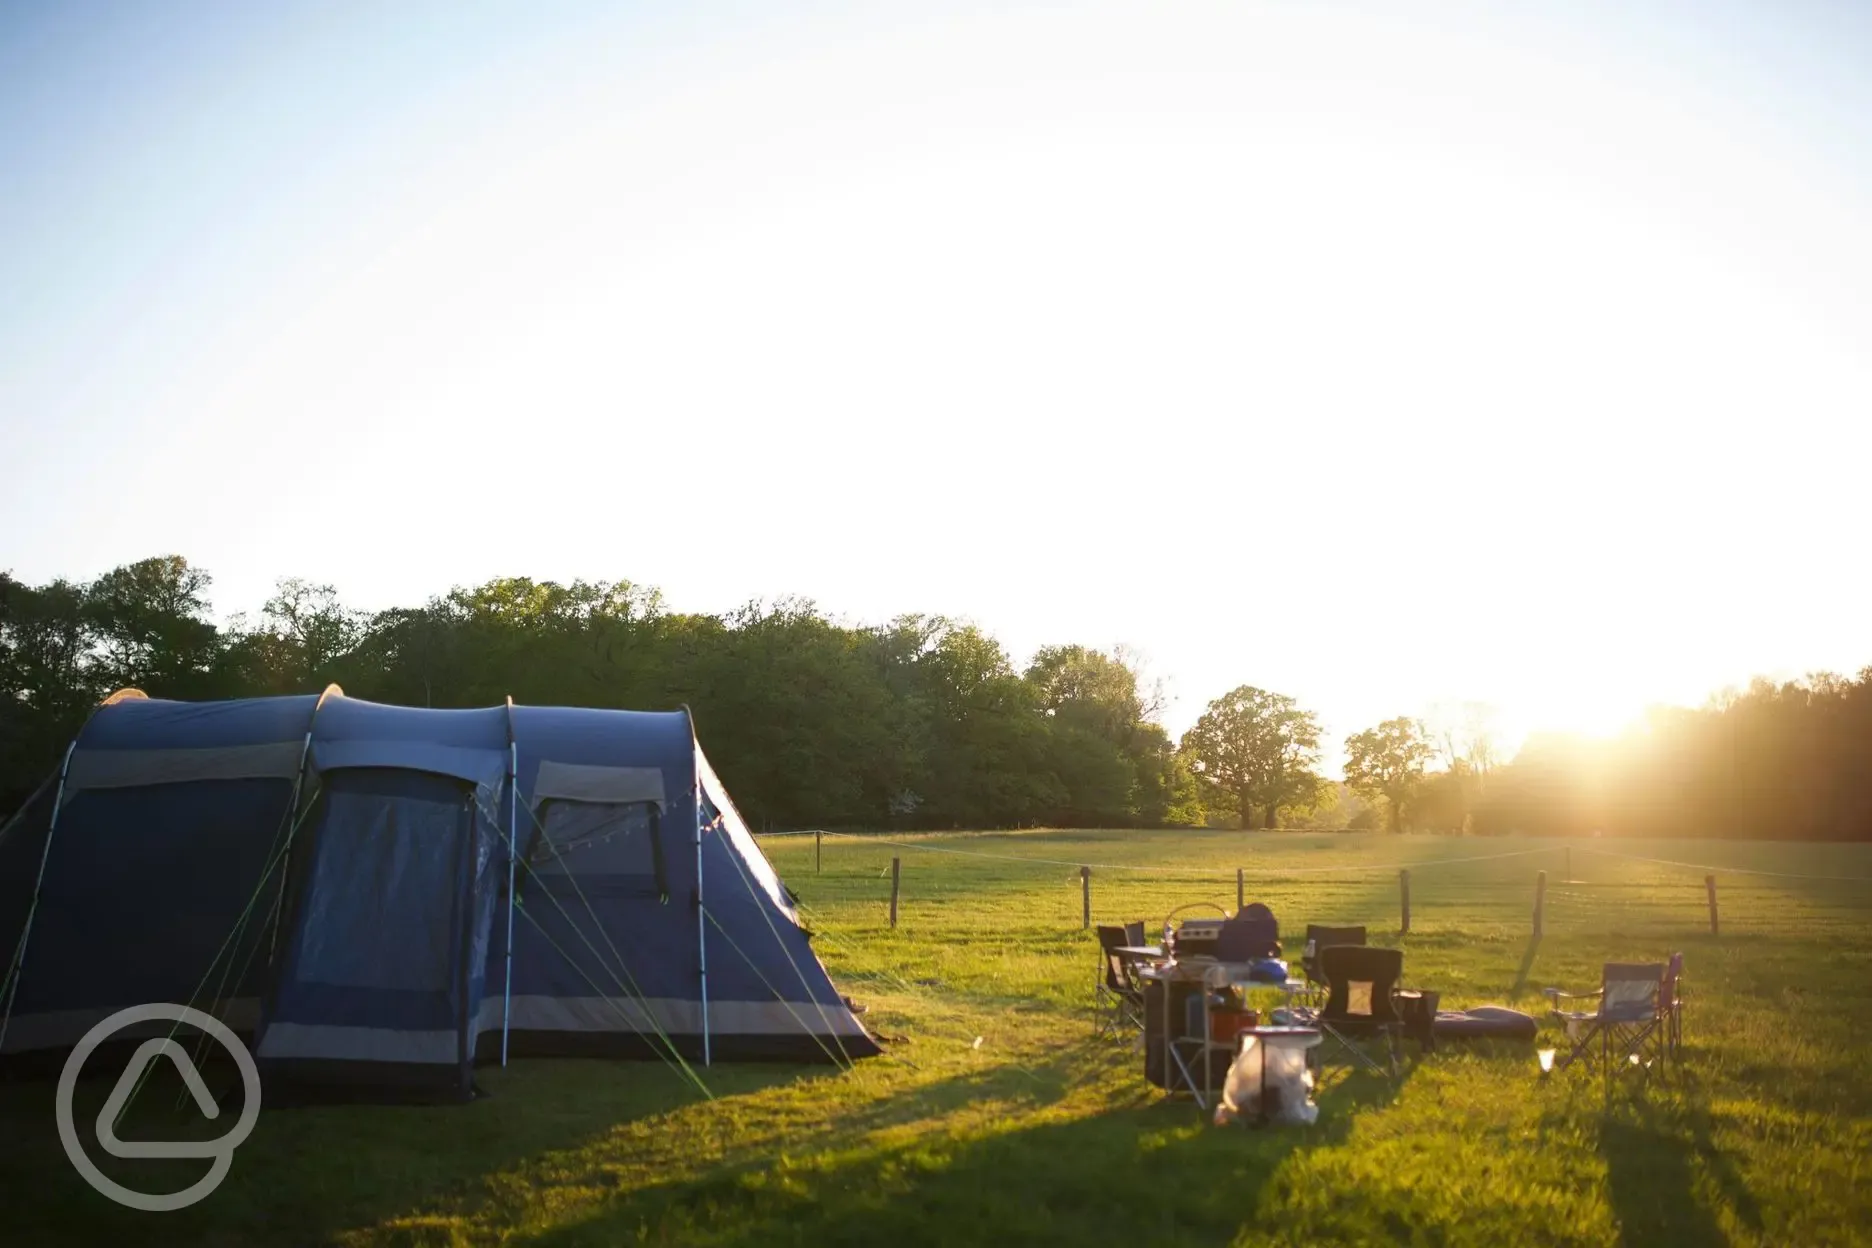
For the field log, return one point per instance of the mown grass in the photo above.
(1042, 1134)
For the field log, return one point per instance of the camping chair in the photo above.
(1634, 1012)
(1672, 1001)
(1120, 997)
(1360, 981)
(1318, 938)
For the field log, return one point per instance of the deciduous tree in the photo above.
(1388, 761)
(1259, 747)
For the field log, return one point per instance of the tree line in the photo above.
(925, 721)
(1786, 761)
(921, 722)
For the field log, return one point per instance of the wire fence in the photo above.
(1065, 881)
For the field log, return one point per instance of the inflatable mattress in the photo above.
(1484, 1021)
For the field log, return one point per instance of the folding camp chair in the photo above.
(1360, 981)
(1634, 1013)
(1318, 938)
(1120, 996)
(1672, 999)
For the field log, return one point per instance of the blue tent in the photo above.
(381, 896)
(126, 880)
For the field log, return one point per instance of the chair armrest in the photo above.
(1554, 994)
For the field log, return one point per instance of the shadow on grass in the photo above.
(561, 1152)
(308, 1174)
(1125, 1173)
(1526, 968)
(1653, 1151)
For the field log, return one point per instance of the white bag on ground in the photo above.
(1287, 1082)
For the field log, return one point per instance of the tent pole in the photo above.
(292, 828)
(513, 843)
(20, 814)
(701, 918)
(16, 972)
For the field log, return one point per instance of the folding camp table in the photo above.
(1179, 1075)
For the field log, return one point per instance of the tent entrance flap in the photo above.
(381, 980)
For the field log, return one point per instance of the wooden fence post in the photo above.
(1085, 898)
(1709, 882)
(1238, 890)
(1403, 883)
(1540, 902)
(896, 870)
(815, 850)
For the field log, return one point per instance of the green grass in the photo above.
(1042, 1134)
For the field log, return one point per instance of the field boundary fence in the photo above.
(1401, 893)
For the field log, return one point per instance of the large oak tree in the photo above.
(1259, 747)
(1388, 761)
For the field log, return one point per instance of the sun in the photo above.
(1570, 714)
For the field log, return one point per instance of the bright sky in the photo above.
(1377, 354)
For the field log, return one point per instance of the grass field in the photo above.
(1042, 1134)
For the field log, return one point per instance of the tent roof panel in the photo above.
(353, 719)
(156, 724)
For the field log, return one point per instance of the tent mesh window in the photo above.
(600, 839)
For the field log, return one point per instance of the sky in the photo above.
(1384, 355)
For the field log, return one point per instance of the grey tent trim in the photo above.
(122, 769)
(674, 1015)
(333, 1042)
(59, 1029)
(486, 768)
(577, 782)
